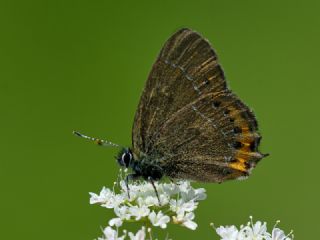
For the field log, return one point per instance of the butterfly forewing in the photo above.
(189, 120)
(185, 69)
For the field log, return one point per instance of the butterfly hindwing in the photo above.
(211, 139)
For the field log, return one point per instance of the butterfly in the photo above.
(189, 124)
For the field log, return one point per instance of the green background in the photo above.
(82, 65)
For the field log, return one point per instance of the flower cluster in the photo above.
(252, 231)
(176, 204)
(170, 203)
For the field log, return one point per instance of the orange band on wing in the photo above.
(241, 166)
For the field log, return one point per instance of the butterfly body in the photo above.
(145, 166)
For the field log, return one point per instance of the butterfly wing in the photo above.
(212, 139)
(188, 119)
(185, 69)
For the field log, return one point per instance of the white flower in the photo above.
(139, 211)
(111, 234)
(184, 186)
(185, 219)
(181, 205)
(113, 201)
(151, 201)
(140, 235)
(170, 188)
(115, 222)
(164, 199)
(122, 212)
(278, 234)
(251, 231)
(104, 196)
(188, 193)
(259, 228)
(227, 233)
(200, 194)
(257, 231)
(159, 219)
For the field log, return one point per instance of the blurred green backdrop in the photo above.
(82, 65)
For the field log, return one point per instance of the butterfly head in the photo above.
(125, 157)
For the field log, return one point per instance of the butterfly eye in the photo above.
(126, 159)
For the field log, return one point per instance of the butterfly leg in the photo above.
(130, 177)
(150, 179)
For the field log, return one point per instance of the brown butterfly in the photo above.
(188, 124)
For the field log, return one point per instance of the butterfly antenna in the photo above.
(97, 141)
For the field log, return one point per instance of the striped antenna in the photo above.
(97, 141)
